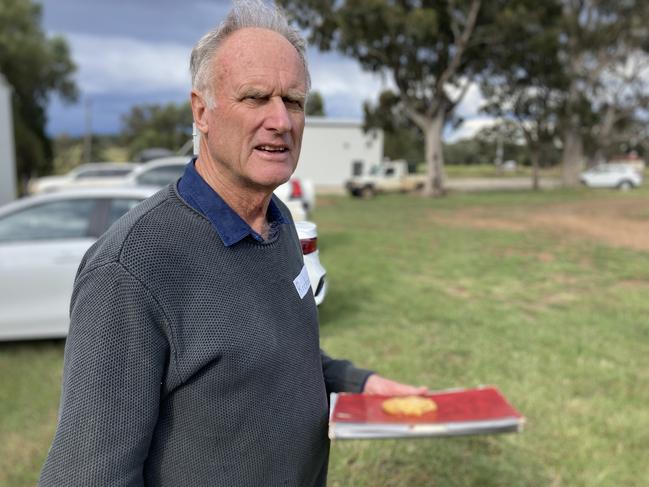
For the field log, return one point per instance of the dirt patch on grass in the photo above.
(633, 284)
(611, 221)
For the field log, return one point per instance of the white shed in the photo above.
(7, 153)
(333, 149)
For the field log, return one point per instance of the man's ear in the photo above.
(199, 111)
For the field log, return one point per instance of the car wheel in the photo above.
(625, 185)
(367, 192)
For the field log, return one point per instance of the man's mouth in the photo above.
(272, 148)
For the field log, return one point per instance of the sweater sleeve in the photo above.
(115, 360)
(342, 375)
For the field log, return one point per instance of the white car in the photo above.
(43, 239)
(297, 196)
(612, 176)
(86, 175)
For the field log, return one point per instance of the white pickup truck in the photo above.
(386, 177)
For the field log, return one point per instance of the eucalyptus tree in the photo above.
(431, 51)
(598, 38)
(526, 81)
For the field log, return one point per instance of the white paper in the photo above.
(302, 283)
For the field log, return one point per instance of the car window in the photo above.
(118, 207)
(160, 176)
(57, 219)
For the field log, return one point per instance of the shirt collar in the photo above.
(227, 223)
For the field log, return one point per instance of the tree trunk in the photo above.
(434, 156)
(534, 156)
(605, 134)
(572, 158)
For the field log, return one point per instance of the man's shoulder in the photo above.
(144, 226)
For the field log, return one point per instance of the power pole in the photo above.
(87, 139)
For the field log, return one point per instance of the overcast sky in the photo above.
(137, 51)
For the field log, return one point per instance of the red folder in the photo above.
(481, 410)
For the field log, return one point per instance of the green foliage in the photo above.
(167, 126)
(69, 151)
(525, 83)
(411, 40)
(469, 152)
(315, 104)
(599, 42)
(432, 51)
(402, 138)
(36, 67)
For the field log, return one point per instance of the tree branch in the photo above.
(460, 45)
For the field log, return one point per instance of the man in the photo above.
(193, 356)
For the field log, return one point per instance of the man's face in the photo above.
(254, 131)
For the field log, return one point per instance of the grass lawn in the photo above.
(424, 294)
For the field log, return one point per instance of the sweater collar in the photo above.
(227, 223)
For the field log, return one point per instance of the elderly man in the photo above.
(193, 356)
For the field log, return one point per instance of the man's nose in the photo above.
(277, 116)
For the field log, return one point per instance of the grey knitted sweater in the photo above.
(189, 363)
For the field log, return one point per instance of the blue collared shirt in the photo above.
(230, 226)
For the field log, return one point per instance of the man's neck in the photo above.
(250, 205)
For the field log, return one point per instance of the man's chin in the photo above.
(276, 177)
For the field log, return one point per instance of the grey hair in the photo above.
(244, 13)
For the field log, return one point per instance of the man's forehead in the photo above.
(252, 47)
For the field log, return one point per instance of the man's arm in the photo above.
(343, 376)
(115, 360)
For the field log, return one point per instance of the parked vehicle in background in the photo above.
(157, 172)
(86, 175)
(619, 176)
(386, 177)
(43, 239)
(298, 197)
(308, 234)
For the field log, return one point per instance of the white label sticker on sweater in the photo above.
(302, 283)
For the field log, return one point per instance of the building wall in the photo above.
(330, 147)
(7, 152)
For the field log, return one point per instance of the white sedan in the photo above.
(43, 239)
(612, 176)
(84, 176)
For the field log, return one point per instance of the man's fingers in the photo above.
(380, 385)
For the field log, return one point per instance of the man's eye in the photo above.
(255, 98)
(294, 104)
